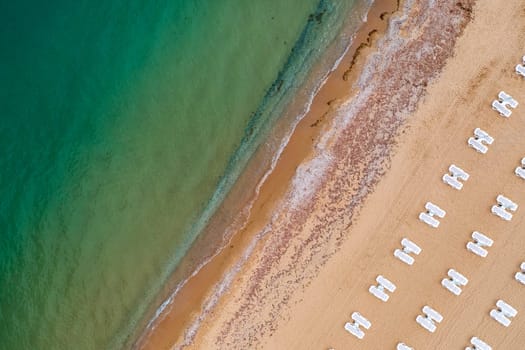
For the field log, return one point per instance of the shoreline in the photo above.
(336, 88)
(328, 188)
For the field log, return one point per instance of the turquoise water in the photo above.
(123, 125)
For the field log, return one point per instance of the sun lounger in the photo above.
(478, 344)
(454, 282)
(520, 68)
(429, 220)
(480, 241)
(382, 285)
(478, 146)
(502, 106)
(458, 172)
(503, 313)
(483, 136)
(506, 98)
(452, 182)
(506, 203)
(435, 210)
(520, 276)
(403, 346)
(520, 171)
(428, 321)
(355, 327)
(502, 213)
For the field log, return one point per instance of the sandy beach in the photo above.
(327, 223)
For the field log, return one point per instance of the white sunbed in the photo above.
(520, 70)
(409, 247)
(507, 99)
(429, 320)
(429, 220)
(478, 344)
(503, 313)
(403, 346)
(435, 210)
(458, 172)
(355, 327)
(480, 241)
(452, 182)
(520, 276)
(502, 213)
(454, 282)
(478, 146)
(506, 203)
(483, 136)
(520, 171)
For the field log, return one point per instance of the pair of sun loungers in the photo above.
(478, 344)
(503, 313)
(428, 217)
(480, 140)
(454, 176)
(504, 103)
(480, 242)
(503, 207)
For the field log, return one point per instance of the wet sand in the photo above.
(316, 253)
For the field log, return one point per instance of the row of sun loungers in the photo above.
(455, 281)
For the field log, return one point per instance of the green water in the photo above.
(122, 121)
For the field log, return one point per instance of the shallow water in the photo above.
(121, 123)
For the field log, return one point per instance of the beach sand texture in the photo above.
(317, 256)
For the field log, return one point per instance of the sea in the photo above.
(123, 126)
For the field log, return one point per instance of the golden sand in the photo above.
(316, 257)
